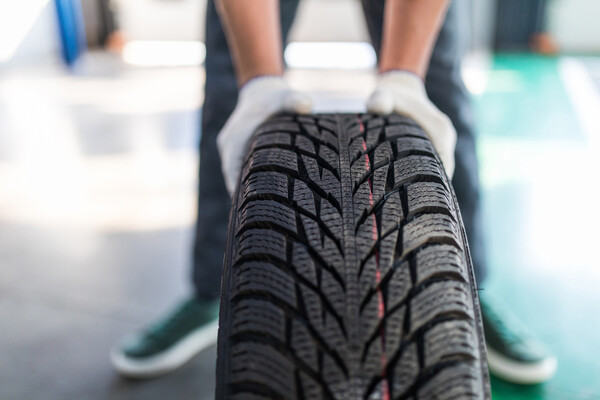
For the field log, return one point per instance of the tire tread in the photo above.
(347, 273)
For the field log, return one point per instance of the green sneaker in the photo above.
(171, 342)
(514, 354)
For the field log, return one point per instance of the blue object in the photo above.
(72, 31)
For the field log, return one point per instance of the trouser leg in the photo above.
(447, 91)
(213, 200)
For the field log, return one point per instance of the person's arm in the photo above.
(253, 33)
(254, 36)
(410, 28)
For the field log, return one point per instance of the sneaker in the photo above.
(171, 342)
(514, 354)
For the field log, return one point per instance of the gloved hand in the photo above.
(404, 93)
(259, 99)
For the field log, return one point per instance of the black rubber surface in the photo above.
(347, 273)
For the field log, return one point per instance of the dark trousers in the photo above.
(445, 89)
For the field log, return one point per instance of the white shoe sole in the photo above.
(168, 360)
(521, 373)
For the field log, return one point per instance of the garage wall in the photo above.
(329, 21)
(317, 20)
(162, 19)
(28, 31)
(483, 23)
(575, 24)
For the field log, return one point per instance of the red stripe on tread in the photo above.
(381, 304)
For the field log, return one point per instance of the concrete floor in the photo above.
(97, 197)
(97, 187)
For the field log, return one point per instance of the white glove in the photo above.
(259, 99)
(404, 93)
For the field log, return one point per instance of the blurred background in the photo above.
(99, 125)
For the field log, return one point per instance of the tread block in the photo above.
(429, 228)
(392, 213)
(451, 340)
(328, 155)
(440, 260)
(248, 396)
(271, 139)
(303, 344)
(268, 213)
(278, 124)
(363, 201)
(367, 278)
(261, 242)
(281, 160)
(323, 136)
(304, 263)
(262, 368)
(333, 376)
(415, 145)
(305, 143)
(462, 381)
(448, 298)
(369, 318)
(416, 167)
(406, 370)
(331, 218)
(320, 242)
(374, 122)
(399, 285)
(261, 316)
(258, 277)
(393, 331)
(268, 184)
(373, 135)
(310, 388)
(429, 197)
(327, 124)
(304, 197)
(386, 251)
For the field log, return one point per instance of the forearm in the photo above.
(254, 36)
(410, 29)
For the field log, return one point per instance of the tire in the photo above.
(347, 273)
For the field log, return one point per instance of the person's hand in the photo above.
(259, 99)
(404, 93)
